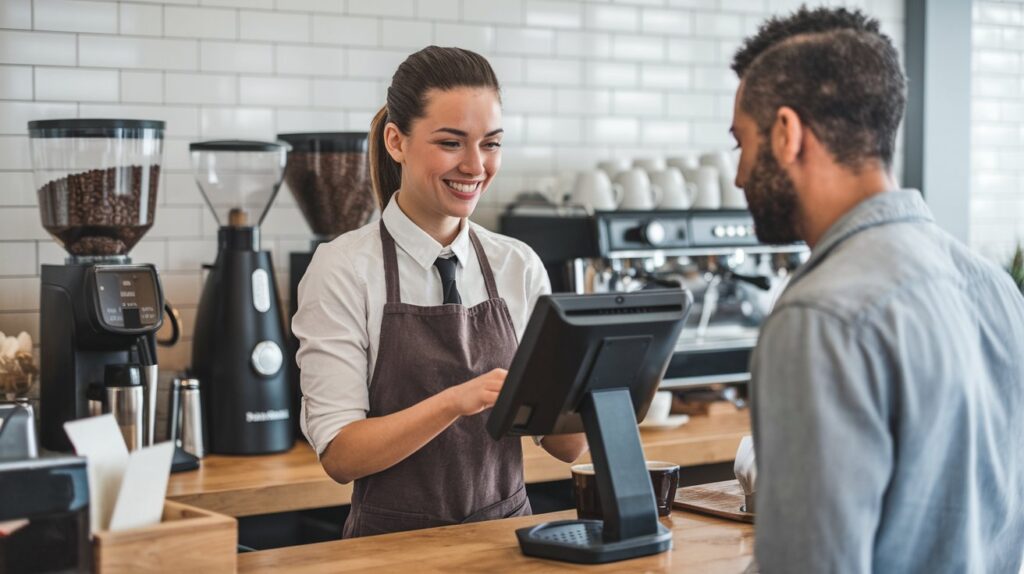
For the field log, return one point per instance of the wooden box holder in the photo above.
(188, 539)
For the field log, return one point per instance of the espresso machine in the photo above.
(328, 174)
(713, 253)
(239, 340)
(97, 183)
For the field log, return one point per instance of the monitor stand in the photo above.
(630, 527)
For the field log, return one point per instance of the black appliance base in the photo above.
(630, 527)
(582, 541)
(183, 461)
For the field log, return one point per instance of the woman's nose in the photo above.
(472, 163)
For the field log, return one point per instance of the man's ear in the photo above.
(394, 141)
(787, 136)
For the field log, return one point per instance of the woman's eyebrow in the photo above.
(463, 134)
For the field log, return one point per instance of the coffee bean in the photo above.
(97, 212)
(332, 189)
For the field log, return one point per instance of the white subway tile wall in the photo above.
(583, 80)
(997, 128)
(141, 20)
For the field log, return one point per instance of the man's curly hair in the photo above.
(837, 71)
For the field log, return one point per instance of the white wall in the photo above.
(583, 81)
(997, 135)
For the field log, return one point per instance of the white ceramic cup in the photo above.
(709, 193)
(732, 196)
(594, 190)
(683, 162)
(675, 192)
(661, 407)
(614, 167)
(557, 188)
(720, 160)
(637, 191)
(650, 164)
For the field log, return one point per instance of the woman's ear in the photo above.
(787, 136)
(394, 141)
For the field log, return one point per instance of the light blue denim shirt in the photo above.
(888, 404)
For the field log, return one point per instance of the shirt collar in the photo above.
(418, 243)
(880, 209)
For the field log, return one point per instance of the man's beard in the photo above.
(772, 200)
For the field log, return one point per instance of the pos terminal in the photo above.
(593, 363)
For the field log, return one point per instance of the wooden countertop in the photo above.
(244, 486)
(700, 544)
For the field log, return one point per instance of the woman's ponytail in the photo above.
(385, 173)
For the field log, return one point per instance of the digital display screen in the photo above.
(128, 298)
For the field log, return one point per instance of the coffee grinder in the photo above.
(328, 174)
(238, 344)
(97, 183)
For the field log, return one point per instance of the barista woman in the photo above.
(406, 326)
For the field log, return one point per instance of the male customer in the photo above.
(888, 383)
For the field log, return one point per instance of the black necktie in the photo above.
(446, 268)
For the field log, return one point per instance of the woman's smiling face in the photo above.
(451, 154)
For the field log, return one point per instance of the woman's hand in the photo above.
(371, 445)
(478, 394)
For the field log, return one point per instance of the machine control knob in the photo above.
(718, 231)
(654, 233)
(267, 358)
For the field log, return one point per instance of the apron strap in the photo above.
(485, 265)
(390, 265)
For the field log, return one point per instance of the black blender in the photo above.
(328, 174)
(239, 340)
(97, 183)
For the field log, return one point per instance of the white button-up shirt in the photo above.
(341, 302)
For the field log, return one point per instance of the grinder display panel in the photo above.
(128, 299)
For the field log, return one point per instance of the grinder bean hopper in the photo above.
(328, 174)
(97, 182)
(239, 341)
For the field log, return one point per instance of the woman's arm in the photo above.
(565, 447)
(374, 444)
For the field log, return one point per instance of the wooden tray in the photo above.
(188, 539)
(723, 499)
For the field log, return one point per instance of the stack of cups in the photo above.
(731, 197)
(643, 184)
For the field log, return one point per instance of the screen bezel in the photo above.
(551, 372)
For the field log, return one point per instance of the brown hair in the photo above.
(837, 70)
(431, 68)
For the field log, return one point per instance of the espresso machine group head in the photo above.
(239, 341)
(97, 183)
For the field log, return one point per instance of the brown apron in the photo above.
(462, 475)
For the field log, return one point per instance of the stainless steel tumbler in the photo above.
(124, 397)
(187, 417)
(127, 404)
(149, 383)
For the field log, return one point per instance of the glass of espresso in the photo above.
(664, 479)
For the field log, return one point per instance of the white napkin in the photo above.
(99, 441)
(140, 502)
(126, 490)
(745, 468)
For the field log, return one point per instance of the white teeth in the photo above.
(462, 187)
